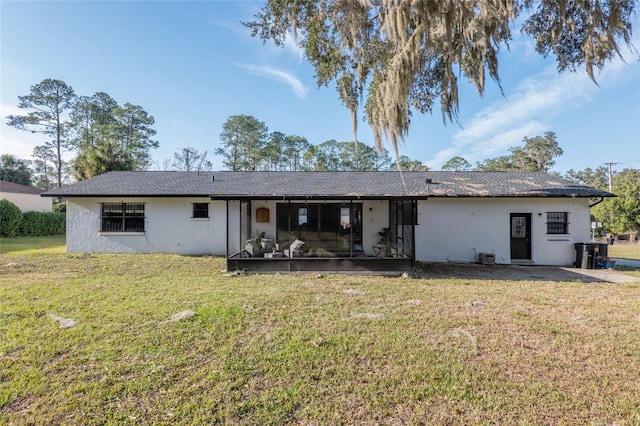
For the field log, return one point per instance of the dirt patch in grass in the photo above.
(180, 316)
(63, 322)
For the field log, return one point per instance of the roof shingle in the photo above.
(310, 185)
(16, 188)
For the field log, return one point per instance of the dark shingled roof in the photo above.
(325, 185)
(18, 189)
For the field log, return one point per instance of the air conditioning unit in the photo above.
(487, 258)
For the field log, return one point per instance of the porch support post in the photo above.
(227, 228)
(289, 227)
(414, 220)
(351, 228)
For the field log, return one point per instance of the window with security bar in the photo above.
(557, 223)
(200, 210)
(122, 217)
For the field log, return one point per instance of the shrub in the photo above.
(60, 207)
(36, 224)
(10, 218)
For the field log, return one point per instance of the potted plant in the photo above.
(385, 237)
(384, 242)
(261, 242)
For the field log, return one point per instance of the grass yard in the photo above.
(33, 245)
(305, 349)
(625, 250)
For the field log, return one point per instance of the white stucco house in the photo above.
(26, 197)
(370, 221)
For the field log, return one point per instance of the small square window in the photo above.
(557, 223)
(201, 210)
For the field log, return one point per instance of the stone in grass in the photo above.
(461, 332)
(477, 304)
(369, 316)
(354, 291)
(63, 322)
(179, 317)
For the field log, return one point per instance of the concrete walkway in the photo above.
(520, 272)
(630, 263)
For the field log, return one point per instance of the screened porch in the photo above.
(321, 235)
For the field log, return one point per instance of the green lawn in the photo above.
(625, 251)
(306, 349)
(33, 245)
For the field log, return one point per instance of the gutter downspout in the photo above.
(601, 199)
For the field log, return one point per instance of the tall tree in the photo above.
(408, 165)
(407, 55)
(104, 156)
(132, 129)
(457, 164)
(538, 153)
(109, 137)
(242, 138)
(272, 155)
(48, 100)
(16, 170)
(345, 156)
(43, 155)
(596, 178)
(293, 151)
(89, 117)
(323, 157)
(622, 213)
(504, 163)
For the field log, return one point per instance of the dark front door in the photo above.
(521, 236)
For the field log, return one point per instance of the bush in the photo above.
(10, 218)
(60, 207)
(37, 224)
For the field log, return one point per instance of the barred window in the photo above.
(557, 223)
(122, 217)
(200, 210)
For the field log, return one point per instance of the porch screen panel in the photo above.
(329, 229)
(283, 237)
(245, 222)
(402, 219)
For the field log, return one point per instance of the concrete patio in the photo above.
(520, 272)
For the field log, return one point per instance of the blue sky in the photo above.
(192, 65)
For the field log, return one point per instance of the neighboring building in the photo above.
(346, 220)
(26, 197)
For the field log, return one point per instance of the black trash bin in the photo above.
(601, 248)
(585, 255)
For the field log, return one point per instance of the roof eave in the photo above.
(317, 197)
(126, 195)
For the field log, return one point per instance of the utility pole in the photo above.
(187, 152)
(610, 179)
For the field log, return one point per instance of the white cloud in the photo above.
(529, 110)
(277, 75)
(291, 46)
